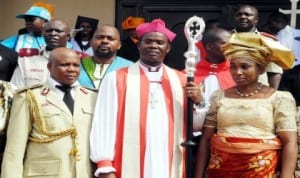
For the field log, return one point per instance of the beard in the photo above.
(244, 28)
(106, 55)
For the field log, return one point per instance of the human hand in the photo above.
(193, 91)
(108, 175)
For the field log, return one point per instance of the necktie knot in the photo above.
(67, 97)
(64, 88)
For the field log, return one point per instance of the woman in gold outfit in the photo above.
(250, 129)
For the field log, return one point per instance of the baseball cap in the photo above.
(37, 12)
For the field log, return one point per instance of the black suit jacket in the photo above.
(8, 62)
(290, 81)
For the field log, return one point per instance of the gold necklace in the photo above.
(259, 87)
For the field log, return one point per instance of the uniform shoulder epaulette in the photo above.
(28, 87)
(91, 89)
(28, 52)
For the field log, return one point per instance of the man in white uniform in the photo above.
(140, 133)
(49, 126)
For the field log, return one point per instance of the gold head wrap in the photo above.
(132, 22)
(259, 48)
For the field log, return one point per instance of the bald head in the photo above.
(64, 65)
(58, 53)
(212, 40)
(214, 35)
(56, 34)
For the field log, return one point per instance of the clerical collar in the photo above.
(151, 68)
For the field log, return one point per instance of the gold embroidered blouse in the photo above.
(252, 118)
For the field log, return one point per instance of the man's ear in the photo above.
(169, 47)
(138, 44)
(208, 46)
(256, 20)
(48, 65)
(120, 45)
(68, 37)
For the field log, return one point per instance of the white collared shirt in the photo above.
(52, 83)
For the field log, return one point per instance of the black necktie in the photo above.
(67, 97)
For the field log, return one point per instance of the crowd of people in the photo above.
(84, 103)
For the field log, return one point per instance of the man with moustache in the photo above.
(246, 18)
(105, 43)
(32, 63)
(49, 126)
